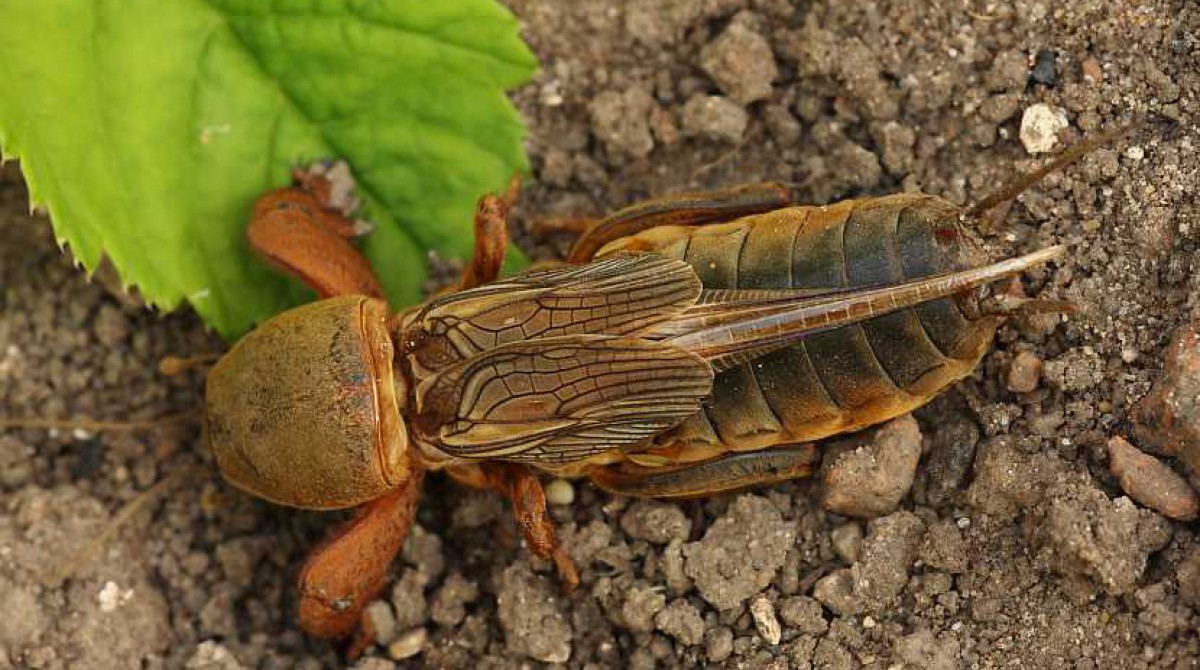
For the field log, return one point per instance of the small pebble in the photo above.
(1040, 125)
(1150, 482)
(374, 663)
(656, 522)
(109, 597)
(408, 644)
(210, 655)
(765, 620)
(383, 620)
(847, 541)
(560, 492)
(1167, 421)
(836, 592)
(1093, 72)
(1024, 373)
(715, 117)
(804, 614)
(718, 644)
(868, 622)
(1045, 68)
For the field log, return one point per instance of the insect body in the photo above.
(694, 344)
(849, 377)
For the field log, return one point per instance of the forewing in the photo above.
(618, 295)
(562, 399)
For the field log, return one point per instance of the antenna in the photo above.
(1073, 153)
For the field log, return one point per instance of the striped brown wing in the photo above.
(617, 295)
(561, 399)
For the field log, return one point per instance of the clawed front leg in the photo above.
(349, 569)
(303, 231)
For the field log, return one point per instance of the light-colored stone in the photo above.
(1040, 125)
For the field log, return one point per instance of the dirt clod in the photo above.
(714, 117)
(1087, 536)
(1188, 578)
(681, 620)
(889, 551)
(1024, 372)
(642, 603)
(531, 616)
(655, 522)
(868, 477)
(740, 553)
(718, 644)
(804, 614)
(621, 120)
(448, 606)
(921, 649)
(408, 600)
(742, 64)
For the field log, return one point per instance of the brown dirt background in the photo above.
(1030, 558)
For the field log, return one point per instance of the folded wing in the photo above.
(618, 295)
(560, 399)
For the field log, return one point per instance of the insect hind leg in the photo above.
(685, 209)
(730, 472)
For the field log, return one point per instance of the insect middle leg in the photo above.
(730, 472)
(523, 489)
(491, 237)
(685, 209)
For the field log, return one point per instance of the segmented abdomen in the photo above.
(843, 379)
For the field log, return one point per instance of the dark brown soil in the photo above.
(1015, 547)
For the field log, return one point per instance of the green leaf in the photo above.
(147, 128)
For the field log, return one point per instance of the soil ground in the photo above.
(1015, 548)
